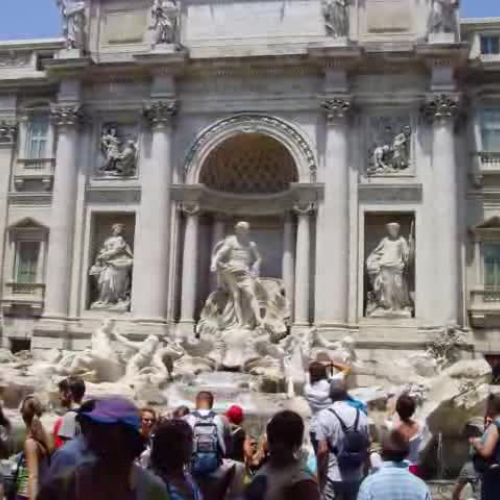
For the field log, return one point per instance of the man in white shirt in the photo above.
(336, 482)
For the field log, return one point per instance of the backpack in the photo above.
(175, 494)
(352, 451)
(206, 450)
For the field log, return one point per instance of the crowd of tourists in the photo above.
(107, 448)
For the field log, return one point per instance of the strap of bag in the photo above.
(342, 423)
(356, 422)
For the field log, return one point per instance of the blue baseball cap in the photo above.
(113, 410)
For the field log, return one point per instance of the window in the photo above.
(490, 129)
(490, 44)
(491, 253)
(27, 261)
(37, 139)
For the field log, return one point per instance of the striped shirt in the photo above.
(394, 482)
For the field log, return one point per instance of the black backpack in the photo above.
(352, 450)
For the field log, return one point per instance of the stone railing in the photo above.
(484, 306)
(37, 169)
(24, 294)
(489, 159)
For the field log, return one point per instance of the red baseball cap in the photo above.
(235, 414)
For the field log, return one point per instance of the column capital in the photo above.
(337, 108)
(8, 133)
(160, 113)
(67, 115)
(190, 209)
(442, 106)
(304, 208)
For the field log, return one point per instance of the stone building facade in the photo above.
(132, 145)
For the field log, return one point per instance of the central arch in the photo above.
(286, 134)
(249, 164)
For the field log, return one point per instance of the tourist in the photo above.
(235, 417)
(114, 437)
(75, 451)
(34, 459)
(317, 391)
(171, 453)
(394, 481)
(181, 412)
(217, 478)
(410, 429)
(488, 448)
(148, 422)
(71, 394)
(283, 476)
(343, 441)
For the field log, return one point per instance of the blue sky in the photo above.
(40, 18)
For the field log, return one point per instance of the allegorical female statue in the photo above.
(336, 14)
(73, 14)
(444, 16)
(166, 20)
(112, 269)
(387, 268)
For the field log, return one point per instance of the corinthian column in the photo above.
(59, 257)
(189, 264)
(150, 287)
(442, 110)
(288, 260)
(332, 247)
(303, 264)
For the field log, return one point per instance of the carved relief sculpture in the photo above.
(120, 157)
(165, 15)
(73, 15)
(336, 14)
(8, 132)
(112, 270)
(444, 16)
(390, 151)
(388, 272)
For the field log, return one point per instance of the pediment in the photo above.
(27, 223)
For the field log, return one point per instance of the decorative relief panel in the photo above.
(118, 146)
(389, 146)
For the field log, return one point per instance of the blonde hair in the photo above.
(31, 411)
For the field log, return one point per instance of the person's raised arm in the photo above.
(342, 368)
(487, 448)
(31, 454)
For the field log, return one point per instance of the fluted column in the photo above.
(288, 260)
(149, 296)
(332, 248)
(8, 136)
(59, 258)
(303, 265)
(190, 264)
(442, 110)
(217, 235)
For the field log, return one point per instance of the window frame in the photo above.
(489, 126)
(17, 263)
(487, 43)
(37, 143)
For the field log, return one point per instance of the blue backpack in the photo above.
(207, 456)
(175, 494)
(352, 451)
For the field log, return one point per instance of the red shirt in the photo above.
(58, 442)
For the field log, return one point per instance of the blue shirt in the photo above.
(72, 453)
(394, 482)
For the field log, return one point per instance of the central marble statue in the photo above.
(244, 306)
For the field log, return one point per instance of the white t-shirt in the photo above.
(69, 426)
(318, 396)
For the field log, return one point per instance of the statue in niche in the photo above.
(120, 159)
(390, 153)
(112, 269)
(73, 14)
(444, 16)
(387, 268)
(236, 260)
(336, 14)
(245, 309)
(165, 21)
